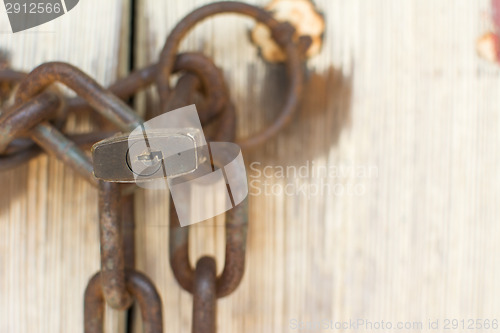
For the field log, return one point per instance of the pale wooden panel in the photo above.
(397, 91)
(48, 215)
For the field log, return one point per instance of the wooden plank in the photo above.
(48, 215)
(397, 89)
(401, 91)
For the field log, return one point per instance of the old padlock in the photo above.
(151, 155)
(205, 179)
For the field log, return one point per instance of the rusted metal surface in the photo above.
(203, 283)
(143, 292)
(102, 100)
(21, 150)
(20, 119)
(50, 139)
(236, 233)
(8, 75)
(236, 219)
(236, 238)
(281, 32)
(302, 15)
(36, 110)
(112, 246)
(128, 228)
(204, 297)
(195, 63)
(93, 303)
(45, 134)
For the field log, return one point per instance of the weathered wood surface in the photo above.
(49, 236)
(397, 92)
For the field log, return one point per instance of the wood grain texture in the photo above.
(397, 92)
(49, 236)
(397, 89)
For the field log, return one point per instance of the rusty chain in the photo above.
(35, 119)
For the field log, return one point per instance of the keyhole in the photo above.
(150, 158)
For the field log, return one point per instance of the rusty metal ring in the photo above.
(234, 265)
(143, 291)
(282, 33)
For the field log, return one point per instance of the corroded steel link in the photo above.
(138, 80)
(236, 218)
(53, 141)
(236, 239)
(128, 227)
(185, 90)
(11, 76)
(234, 265)
(112, 248)
(179, 251)
(204, 297)
(110, 106)
(47, 136)
(20, 119)
(29, 117)
(195, 63)
(22, 150)
(93, 304)
(84, 140)
(211, 82)
(178, 236)
(123, 88)
(282, 34)
(146, 295)
(143, 291)
(225, 129)
(211, 79)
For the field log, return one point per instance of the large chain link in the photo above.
(35, 120)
